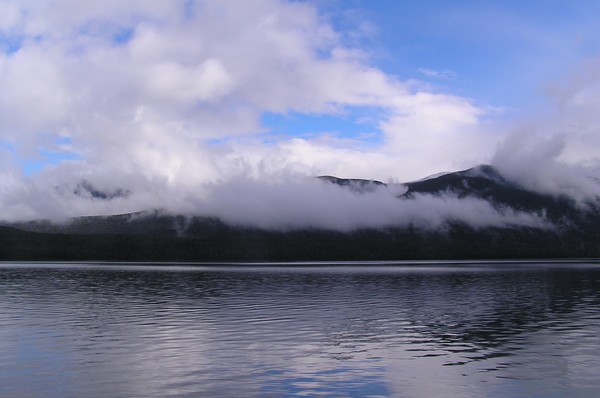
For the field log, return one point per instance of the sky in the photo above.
(163, 101)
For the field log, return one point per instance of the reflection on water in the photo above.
(405, 331)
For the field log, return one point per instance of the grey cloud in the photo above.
(276, 202)
(309, 203)
(535, 162)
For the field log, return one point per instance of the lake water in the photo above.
(407, 330)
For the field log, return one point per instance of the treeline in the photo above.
(224, 244)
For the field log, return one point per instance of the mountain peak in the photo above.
(485, 171)
(354, 184)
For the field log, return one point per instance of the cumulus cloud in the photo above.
(535, 162)
(575, 102)
(113, 75)
(557, 152)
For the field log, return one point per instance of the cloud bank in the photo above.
(297, 204)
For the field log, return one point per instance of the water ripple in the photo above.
(469, 331)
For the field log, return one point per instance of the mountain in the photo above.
(485, 182)
(354, 184)
(572, 230)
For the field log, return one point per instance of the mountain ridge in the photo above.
(156, 235)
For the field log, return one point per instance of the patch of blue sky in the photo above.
(10, 44)
(123, 35)
(353, 124)
(117, 34)
(62, 141)
(46, 158)
(188, 7)
(357, 123)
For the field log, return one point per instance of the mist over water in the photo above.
(403, 331)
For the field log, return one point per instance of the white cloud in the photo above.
(208, 82)
(438, 74)
(181, 75)
(535, 162)
(143, 89)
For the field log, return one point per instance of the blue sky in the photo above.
(174, 95)
(490, 45)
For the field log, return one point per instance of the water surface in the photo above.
(412, 330)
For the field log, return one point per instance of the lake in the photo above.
(335, 330)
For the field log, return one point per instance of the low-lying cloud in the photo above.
(535, 163)
(275, 202)
(304, 203)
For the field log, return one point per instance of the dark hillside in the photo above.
(157, 236)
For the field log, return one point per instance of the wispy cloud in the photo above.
(438, 74)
